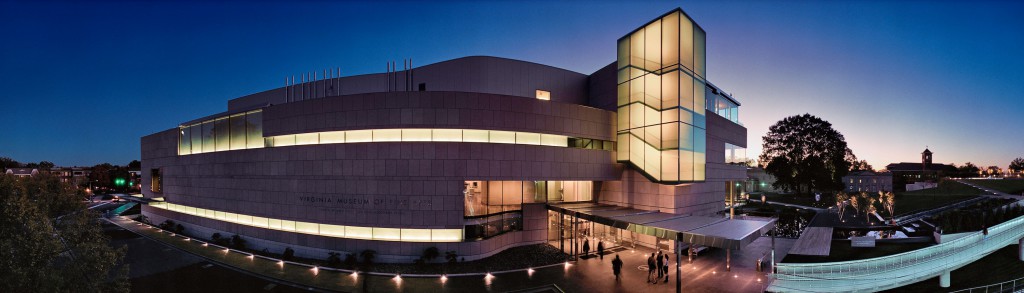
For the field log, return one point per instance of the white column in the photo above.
(944, 279)
(1020, 249)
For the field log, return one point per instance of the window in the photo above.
(543, 95)
(156, 180)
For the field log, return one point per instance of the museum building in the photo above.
(473, 155)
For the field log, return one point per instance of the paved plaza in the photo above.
(589, 274)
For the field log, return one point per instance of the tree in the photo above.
(968, 170)
(855, 204)
(805, 154)
(1017, 165)
(7, 163)
(135, 165)
(869, 206)
(46, 165)
(888, 200)
(841, 201)
(861, 165)
(52, 243)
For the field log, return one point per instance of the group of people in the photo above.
(657, 262)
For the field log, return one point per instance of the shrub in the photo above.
(237, 242)
(368, 256)
(430, 254)
(451, 256)
(167, 225)
(288, 254)
(333, 259)
(350, 260)
(179, 229)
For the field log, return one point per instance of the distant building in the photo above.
(22, 172)
(759, 181)
(925, 171)
(868, 181)
(72, 175)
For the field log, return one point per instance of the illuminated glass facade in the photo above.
(233, 132)
(661, 99)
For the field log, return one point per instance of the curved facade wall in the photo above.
(385, 185)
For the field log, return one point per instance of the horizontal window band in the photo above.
(326, 230)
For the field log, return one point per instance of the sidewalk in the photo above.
(592, 274)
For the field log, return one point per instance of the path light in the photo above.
(204, 244)
(355, 274)
(280, 263)
(735, 276)
(226, 250)
(567, 265)
(316, 270)
(187, 239)
(759, 280)
(398, 278)
(250, 256)
(529, 272)
(714, 272)
(488, 276)
(444, 278)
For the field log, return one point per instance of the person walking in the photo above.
(600, 249)
(651, 265)
(586, 247)
(665, 268)
(617, 266)
(660, 263)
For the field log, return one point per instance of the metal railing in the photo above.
(896, 270)
(1008, 286)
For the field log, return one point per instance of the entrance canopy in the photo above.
(708, 231)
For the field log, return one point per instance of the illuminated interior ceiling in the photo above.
(661, 99)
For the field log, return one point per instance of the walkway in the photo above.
(813, 241)
(796, 206)
(897, 270)
(587, 275)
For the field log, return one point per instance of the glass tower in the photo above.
(661, 99)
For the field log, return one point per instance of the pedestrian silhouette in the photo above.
(616, 266)
(660, 263)
(650, 267)
(665, 268)
(600, 249)
(586, 247)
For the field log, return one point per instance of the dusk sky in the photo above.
(80, 83)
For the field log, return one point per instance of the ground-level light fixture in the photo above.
(316, 270)
(355, 274)
(529, 272)
(444, 278)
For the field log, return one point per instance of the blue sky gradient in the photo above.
(80, 83)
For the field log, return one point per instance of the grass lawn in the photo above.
(1000, 266)
(841, 251)
(1011, 186)
(948, 192)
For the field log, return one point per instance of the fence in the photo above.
(1008, 286)
(896, 270)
